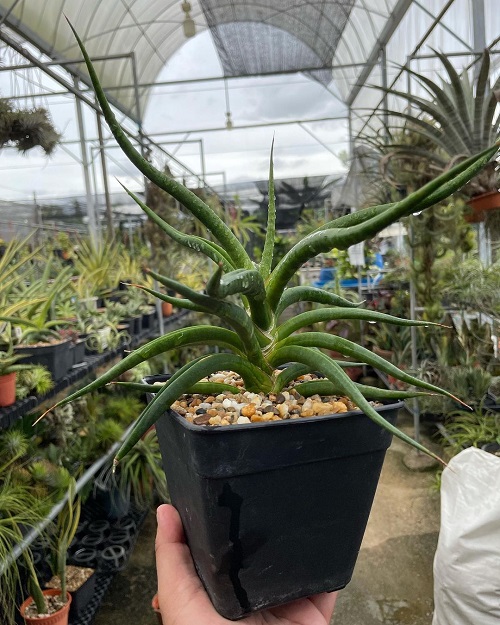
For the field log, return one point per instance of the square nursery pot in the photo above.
(78, 352)
(148, 319)
(57, 357)
(274, 511)
(80, 596)
(135, 325)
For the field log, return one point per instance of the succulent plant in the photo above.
(8, 362)
(257, 342)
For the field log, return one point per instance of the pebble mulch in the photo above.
(241, 407)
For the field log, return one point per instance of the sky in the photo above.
(241, 154)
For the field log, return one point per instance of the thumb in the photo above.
(181, 595)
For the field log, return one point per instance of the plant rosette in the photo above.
(300, 462)
(58, 610)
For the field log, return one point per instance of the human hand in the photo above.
(184, 601)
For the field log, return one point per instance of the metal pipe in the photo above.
(86, 173)
(423, 39)
(37, 63)
(9, 11)
(104, 171)
(383, 71)
(94, 59)
(159, 310)
(20, 547)
(42, 226)
(247, 126)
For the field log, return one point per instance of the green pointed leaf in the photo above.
(192, 202)
(322, 241)
(340, 379)
(297, 294)
(268, 251)
(332, 314)
(350, 349)
(326, 387)
(215, 253)
(482, 84)
(253, 377)
(200, 335)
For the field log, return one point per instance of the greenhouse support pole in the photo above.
(479, 43)
(383, 71)
(86, 168)
(37, 214)
(159, 310)
(413, 312)
(104, 170)
(413, 338)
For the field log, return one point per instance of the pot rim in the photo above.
(51, 592)
(238, 427)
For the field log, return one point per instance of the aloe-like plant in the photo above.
(257, 342)
(9, 364)
(454, 119)
(37, 322)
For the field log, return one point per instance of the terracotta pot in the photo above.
(481, 204)
(7, 389)
(155, 604)
(58, 618)
(166, 309)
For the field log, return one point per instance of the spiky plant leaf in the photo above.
(257, 342)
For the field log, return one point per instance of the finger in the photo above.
(179, 588)
(325, 603)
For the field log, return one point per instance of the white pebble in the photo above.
(227, 403)
(243, 420)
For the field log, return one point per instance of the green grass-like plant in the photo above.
(255, 340)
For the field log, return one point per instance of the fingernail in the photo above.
(160, 514)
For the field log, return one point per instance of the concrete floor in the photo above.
(392, 583)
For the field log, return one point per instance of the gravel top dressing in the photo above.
(240, 407)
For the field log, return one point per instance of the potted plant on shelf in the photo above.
(8, 369)
(79, 581)
(247, 489)
(457, 120)
(52, 606)
(39, 340)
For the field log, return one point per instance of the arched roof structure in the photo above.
(331, 40)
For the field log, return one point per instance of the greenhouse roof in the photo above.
(255, 37)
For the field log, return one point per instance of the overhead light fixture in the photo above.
(229, 121)
(188, 24)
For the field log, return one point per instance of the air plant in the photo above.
(257, 342)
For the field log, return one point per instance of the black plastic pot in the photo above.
(57, 357)
(113, 558)
(78, 351)
(492, 448)
(82, 596)
(100, 526)
(274, 511)
(85, 557)
(148, 320)
(93, 541)
(134, 324)
(114, 503)
(119, 537)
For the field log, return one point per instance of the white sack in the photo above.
(467, 560)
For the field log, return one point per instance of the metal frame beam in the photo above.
(411, 55)
(392, 23)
